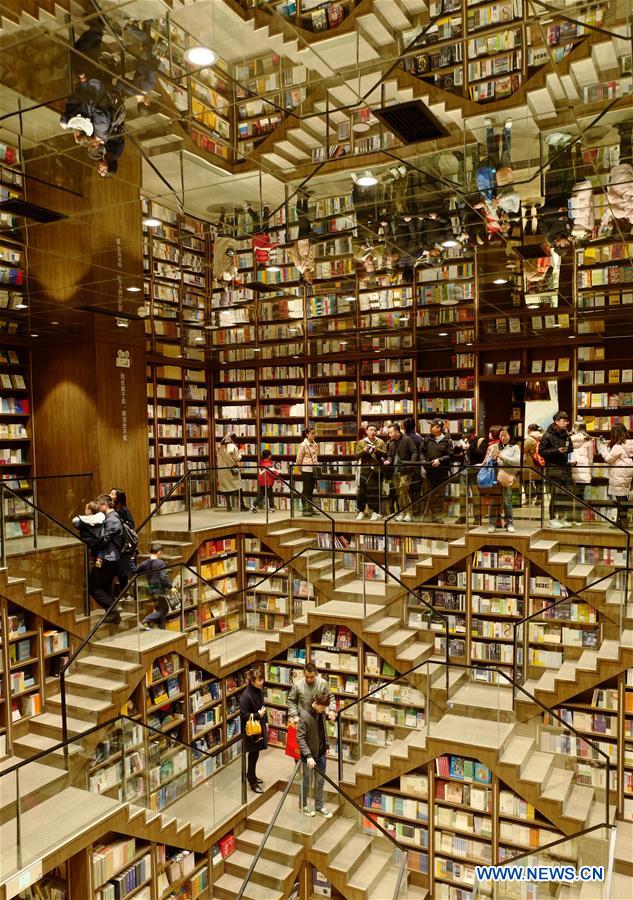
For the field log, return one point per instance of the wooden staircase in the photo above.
(360, 866)
(509, 748)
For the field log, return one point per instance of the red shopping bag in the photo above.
(292, 746)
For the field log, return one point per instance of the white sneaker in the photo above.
(491, 529)
(565, 523)
(407, 518)
(399, 517)
(554, 523)
(308, 811)
(374, 517)
(511, 529)
(325, 812)
(360, 517)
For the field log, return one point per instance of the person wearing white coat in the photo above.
(508, 456)
(582, 461)
(618, 455)
(620, 184)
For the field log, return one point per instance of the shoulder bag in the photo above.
(253, 727)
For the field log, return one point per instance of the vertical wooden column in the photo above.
(89, 397)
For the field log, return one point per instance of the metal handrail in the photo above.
(540, 613)
(339, 790)
(492, 668)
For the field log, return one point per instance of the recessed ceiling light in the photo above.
(557, 325)
(54, 323)
(360, 127)
(469, 343)
(571, 336)
(342, 342)
(199, 339)
(273, 269)
(500, 281)
(151, 222)
(34, 335)
(256, 350)
(133, 290)
(450, 243)
(443, 334)
(21, 306)
(350, 298)
(201, 56)
(367, 180)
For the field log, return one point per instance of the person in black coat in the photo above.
(436, 455)
(252, 704)
(556, 448)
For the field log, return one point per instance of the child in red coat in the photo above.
(265, 481)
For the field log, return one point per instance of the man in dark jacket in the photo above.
(556, 447)
(415, 488)
(403, 455)
(109, 547)
(553, 217)
(313, 746)
(436, 455)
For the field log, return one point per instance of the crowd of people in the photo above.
(96, 110)
(403, 473)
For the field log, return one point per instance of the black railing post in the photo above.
(62, 686)
(244, 794)
(18, 819)
(188, 498)
(86, 581)
(339, 743)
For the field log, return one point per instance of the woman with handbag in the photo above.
(254, 724)
(307, 465)
(229, 478)
(506, 454)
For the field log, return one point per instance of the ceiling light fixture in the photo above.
(34, 335)
(273, 268)
(571, 336)
(443, 334)
(201, 56)
(151, 222)
(54, 323)
(133, 290)
(122, 323)
(450, 243)
(500, 281)
(367, 180)
(200, 339)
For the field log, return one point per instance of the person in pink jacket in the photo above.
(582, 461)
(618, 455)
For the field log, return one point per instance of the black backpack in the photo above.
(129, 540)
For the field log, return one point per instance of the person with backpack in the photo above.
(556, 449)
(108, 545)
(533, 465)
(436, 455)
(159, 585)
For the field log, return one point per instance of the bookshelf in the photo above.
(351, 669)
(486, 50)
(219, 563)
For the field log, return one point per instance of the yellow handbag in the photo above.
(253, 726)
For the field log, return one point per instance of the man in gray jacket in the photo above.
(303, 692)
(313, 746)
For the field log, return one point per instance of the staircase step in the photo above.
(516, 750)
(397, 638)
(37, 743)
(544, 545)
(81, 679)
(578, 803)
(416, 652)
(105, 663)
(563, 557)
(557, 785)
(610, 649)
(338, 833)
(581, 571)
(50, 723)
(88, 705)
(381, 625)
(373, 872)
(267, 872)
(276, 848)
(352, 855)
(228, 887)
(536, 766)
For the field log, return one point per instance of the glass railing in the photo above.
(432, 704)
(587, 857)
(122, 762)
(38, 538)
(552, 638)
(312, 807)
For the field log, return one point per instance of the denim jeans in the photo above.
(312, 777)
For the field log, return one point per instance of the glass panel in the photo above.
(121, 762)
